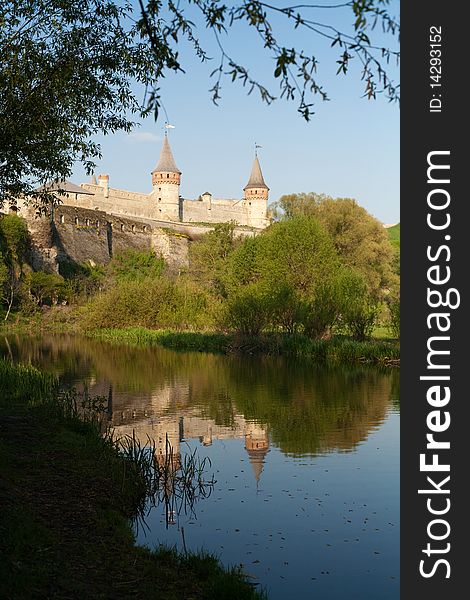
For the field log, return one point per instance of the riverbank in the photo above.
(67, 497)
(379, 350)
(338, 350)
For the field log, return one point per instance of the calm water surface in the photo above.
(305, 460)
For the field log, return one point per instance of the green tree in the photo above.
(14, 245)
(209, 255)
(3, 277)
(290, 272)
(393, 303)
(133, 264)
(69, 69)
(360, 240)
(298, 252)
(248, 310)
(66, 73)
(14, 239)
(45, 288)
(359, 310)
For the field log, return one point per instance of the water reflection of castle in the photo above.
(165, 417)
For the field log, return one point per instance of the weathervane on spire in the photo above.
(256, 148)
(167, 127)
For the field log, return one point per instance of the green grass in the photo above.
(174, 340)
(335, 351)
(67, 494)
(394, 233)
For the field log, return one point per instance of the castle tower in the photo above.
(166, 179)
(256, 197)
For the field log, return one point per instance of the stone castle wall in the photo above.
(117, 202)
(160, 206)
(84, 235)
(215, 211)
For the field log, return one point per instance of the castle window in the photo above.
(159, 189)
(61, 219)
(133, 228)
(168, 176)
(159, 199)
(122, 226)
(97, 223)
(76, 220)
(87, 222)
(144, 229)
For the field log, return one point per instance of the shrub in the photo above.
(133, 264)
(81, 279)
(287, 309)
(394, 308)
(249, 310)
(46, 288)
(322, 311)
(153, 303)
(359, 311)
(360, 320)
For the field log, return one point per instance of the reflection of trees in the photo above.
(307, 409)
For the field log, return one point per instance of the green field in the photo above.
(394, 234)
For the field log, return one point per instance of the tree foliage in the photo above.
(287, 278)
(66, 73)
(46, 288)
(360, 240)
(69, 69)
(132, 265)
(294, 68)
(14, 239)
(14, 245)
(208, 256)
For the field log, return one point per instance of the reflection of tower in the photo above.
(257, 446)
(207, 438)
(167, 442)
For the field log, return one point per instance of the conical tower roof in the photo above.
(256, 177)
(166, 162)
(257, 458)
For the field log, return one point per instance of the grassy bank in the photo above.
(67, 495)
(335, 351)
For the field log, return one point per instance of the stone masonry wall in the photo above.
(89, 235)
(158, 206)
(84, 235)
(216, 211)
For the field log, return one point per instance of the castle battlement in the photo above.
(93, 221)
(164, 202)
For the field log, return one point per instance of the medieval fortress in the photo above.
(164, 203)
(93, 221)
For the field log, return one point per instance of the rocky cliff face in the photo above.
(93, 236)
(173, 247)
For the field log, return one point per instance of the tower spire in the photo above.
(166, 179)
(166, 162)
(256, 177)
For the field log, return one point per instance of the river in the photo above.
(305, 460)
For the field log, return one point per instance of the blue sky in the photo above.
(350, 148)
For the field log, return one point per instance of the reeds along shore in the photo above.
(334, 351)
